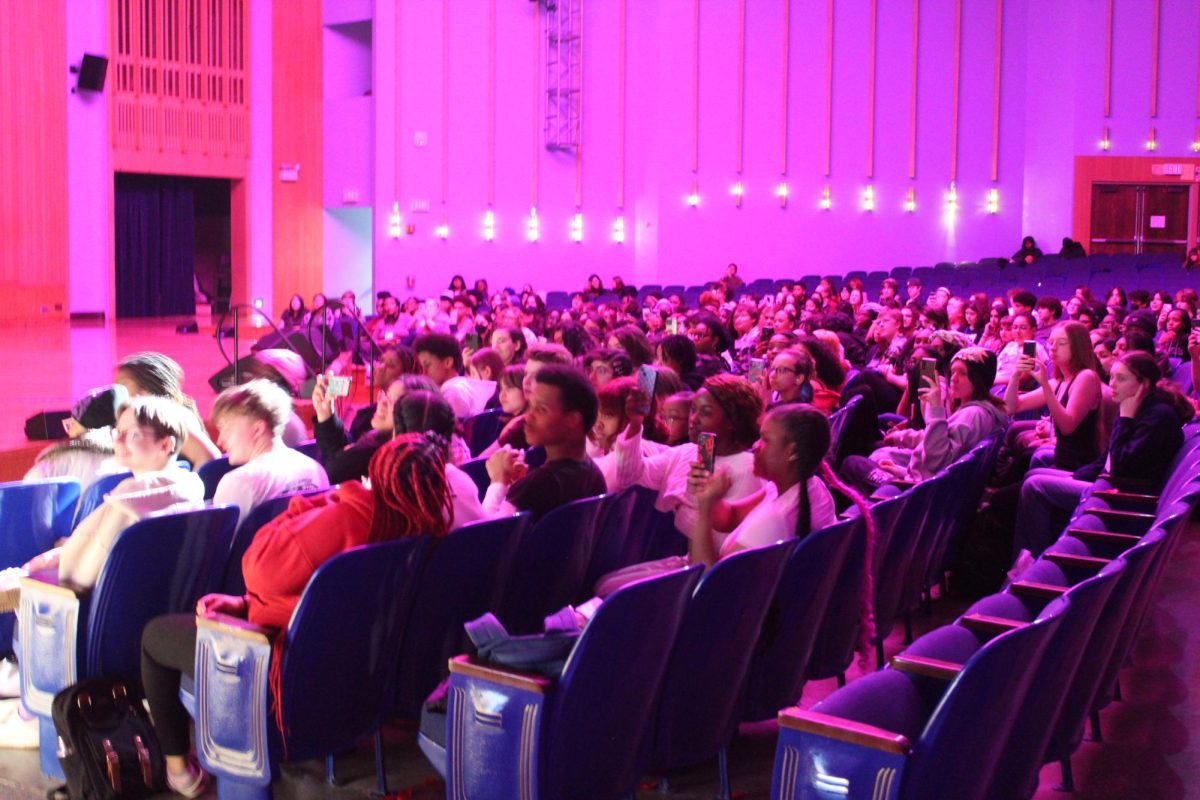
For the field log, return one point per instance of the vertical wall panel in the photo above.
(33, 161)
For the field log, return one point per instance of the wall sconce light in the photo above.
(993, 201)
(577, 228)
(531, 226)
(910, 201)
(442, 231)
(737, 193)
(395, 228)
(1152, 142)
(618, 231)
(693, 198)
(1105, 142)
(950, 213)
(258, 303)
(489, 225)
(781, 191)
(868, 199)
(826, 201)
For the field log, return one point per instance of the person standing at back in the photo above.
(562, 409)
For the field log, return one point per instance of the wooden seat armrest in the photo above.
(983, 623)
(235, 626)
(926, 667)
(1042, 591)
(844, 730)
(1104, 537)
(1114, 513)
(1126, 484)
(1127, 497)
(1078, 562)
(526, 681)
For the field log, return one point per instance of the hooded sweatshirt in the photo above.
(922, 453)
(168, 491)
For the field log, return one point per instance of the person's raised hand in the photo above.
(321, 401)
(707, 486)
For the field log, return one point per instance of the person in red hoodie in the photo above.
(408, 496)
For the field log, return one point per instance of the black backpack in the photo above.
(106, 744)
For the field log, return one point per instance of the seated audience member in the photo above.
(392, 325)
(486, 364)
(633, 341)
(1071, 249)
(1145, 438)
(673, 416)
(788, 379)
(1173, 341)
(1046, 314)
(713, 343)
(510, 344)
(393, 361)
(792, 502)
(513, 433)
(1072, 398)
(1028, 253)
(284, 368)
(294, 315)
(427, 412)
(615, 399)
(409, 496)
(951, 429)
(160, 376)
(829, 376)
(679, 353)
(726, 406)
(1006, 361)
(148, 435)
(87, 453)
(562, 409)
(605, 364)
(441, 359)
(250, 419)
(345, 458)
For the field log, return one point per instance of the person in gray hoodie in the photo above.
(957, 419)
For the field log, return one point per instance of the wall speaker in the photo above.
(91, 73)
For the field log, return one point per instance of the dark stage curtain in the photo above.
(155, 244)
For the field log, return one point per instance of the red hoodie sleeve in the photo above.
(288, 549)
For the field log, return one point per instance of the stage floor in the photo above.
(51, 366)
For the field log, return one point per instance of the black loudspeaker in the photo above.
(46, 425)
(249, 367)
(309, 349)
(91, 73)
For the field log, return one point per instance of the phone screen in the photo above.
(706, 446)
(647, 379)
(1029, 347)
(757, 365)
(929, 368)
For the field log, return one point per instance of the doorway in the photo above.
(1139, 218)
(172, 244)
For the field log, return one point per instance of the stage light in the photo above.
(531, 226)
(1105, 142)
(993, 201)
(1152, 142)
(442, 231)
(910, 200)
(737, 191)
(693, 198)
(618, 232)
(395, 229)
(868, 199)
(781, 191)
(489, 225)
(577, 228)
(826, 201)
(950, 211)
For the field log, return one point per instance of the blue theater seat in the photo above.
(211, 473)
(482, 429)
(94, 495)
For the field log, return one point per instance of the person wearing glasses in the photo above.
(1023, 329)
(788, 379)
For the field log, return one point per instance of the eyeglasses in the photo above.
(785, 370)
(130, 436)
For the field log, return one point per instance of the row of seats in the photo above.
(974, 709)
(1050, 275)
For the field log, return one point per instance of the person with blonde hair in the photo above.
(158, 375)
(251, 419)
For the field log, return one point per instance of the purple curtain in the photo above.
(155, 246)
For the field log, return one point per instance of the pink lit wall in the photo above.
(1050, 109)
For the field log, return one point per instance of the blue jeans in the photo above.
(1048, 496)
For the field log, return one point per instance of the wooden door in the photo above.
(1114, 218)
(1164, 220)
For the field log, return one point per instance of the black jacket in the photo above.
(1141, 446)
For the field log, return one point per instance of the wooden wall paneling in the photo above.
(296, 139)
(33, 162)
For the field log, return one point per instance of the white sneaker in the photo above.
(16, 731)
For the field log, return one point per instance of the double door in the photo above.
(1139, 218)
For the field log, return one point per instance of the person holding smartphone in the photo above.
(1071, 397)
(957, 418)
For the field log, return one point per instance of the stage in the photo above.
(50, 366)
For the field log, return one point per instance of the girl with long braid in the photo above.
(408, 496)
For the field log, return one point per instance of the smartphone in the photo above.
(672, 326)
(471, 340)
(767, 332)
(757, 366)
(706, 449)
(337, 385)
(1029, 348)
(647, 379)
(929, 368)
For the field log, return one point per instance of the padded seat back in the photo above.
(93, 496)
(211, 473)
